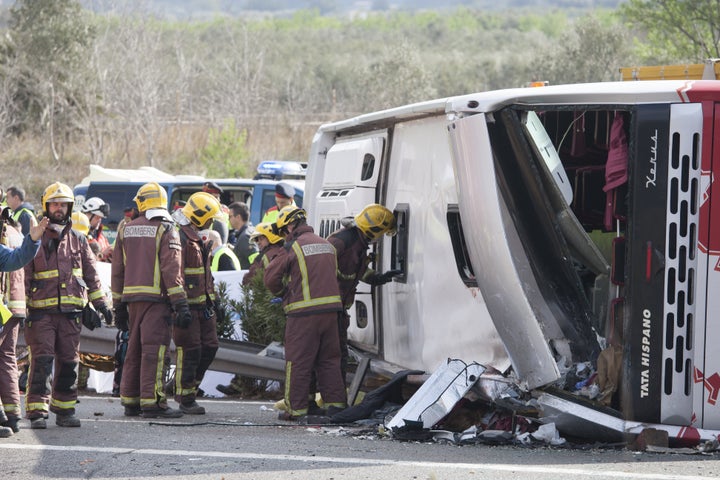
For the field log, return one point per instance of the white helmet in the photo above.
(96, 206)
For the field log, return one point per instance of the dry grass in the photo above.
(28, 162)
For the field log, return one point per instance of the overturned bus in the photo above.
(539, 228)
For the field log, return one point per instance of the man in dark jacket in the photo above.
(244, 249)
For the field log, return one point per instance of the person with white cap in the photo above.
(222, 258)
(96, 210)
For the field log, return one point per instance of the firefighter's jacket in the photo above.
(12, 284)
(147, 262)
(62, 276)
(304, 273)
(199, 285)
(262, 261)
(353, 261)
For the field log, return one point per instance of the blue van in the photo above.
(259, 195)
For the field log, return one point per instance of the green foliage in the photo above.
(263, 322)
(593, 50)
(225, 154)
(675, 30)
(48, 50)
(225, 312)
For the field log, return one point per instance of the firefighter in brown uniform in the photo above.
(304, 274)
(146, 285)
(198, 343)
(351, 244)
(270, 246)
(59, 282)
(14, 253)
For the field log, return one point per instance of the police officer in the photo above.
(146, 283)
(351, 244)
(284, 197)
(197, 343)
(23, 212)
(59, 281)
(311, 300)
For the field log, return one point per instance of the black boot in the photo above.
(12, 423)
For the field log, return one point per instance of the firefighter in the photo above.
(81, 224)
(197, 343)
(351, 244)
(96, 210)
(12, 313)
(304, 274)
(147, 285)
(270, 246)
(130, 213)
(59, 282)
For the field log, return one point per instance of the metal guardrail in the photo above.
(242, 358)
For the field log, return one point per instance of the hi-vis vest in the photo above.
(16, 215)
(224, 250)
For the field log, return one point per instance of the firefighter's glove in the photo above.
(20, 319)
(90, 318)
(122, 317)
(387, 276)
(107, 314)
(183, 317)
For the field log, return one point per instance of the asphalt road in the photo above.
(244, 440)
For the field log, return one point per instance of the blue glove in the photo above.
(276, 300)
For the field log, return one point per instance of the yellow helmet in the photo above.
(288, 215)
(58, 192)
(265, 230)
(80, 222)
(375, 221)
(151, 195)
(200, 209)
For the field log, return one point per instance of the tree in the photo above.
(49, 41)
(593, 51)
(677, 30)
